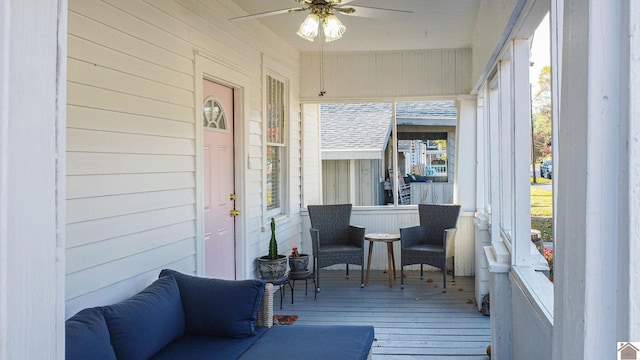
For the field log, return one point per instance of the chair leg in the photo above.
(444, 279)
(421, 273)
(453, 267)
(347, 270)
(401, 277)
(315, 293)
(316, 282)
(362, 276)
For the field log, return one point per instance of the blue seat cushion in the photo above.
(313, 343)
(198, 347)
(87, 337)
(147, 322)
(219, 307)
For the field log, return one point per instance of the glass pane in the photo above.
(213, 115)
(275, 111)
(273, 177)
(358, 141)
(424, 159)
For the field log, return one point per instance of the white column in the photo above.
(632, 273)
(465, 168)
(521, 153)
(596, 267)
(481, 150)
(32, 187)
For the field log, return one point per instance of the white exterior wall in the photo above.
(133, 141)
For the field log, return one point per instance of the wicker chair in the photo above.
(265, 312)
(334, 240)
(431, 242)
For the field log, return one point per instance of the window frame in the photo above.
(283, 146)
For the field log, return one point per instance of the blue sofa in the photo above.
(187, 317)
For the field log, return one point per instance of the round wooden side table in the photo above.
(389, 239)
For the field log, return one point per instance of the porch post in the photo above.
(33, 57)
(464, 192)
(597, 262)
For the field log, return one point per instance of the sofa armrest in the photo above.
(265, 313)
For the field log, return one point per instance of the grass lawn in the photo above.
(542, 210)
(541, 202)
(545, 225)
(540, 180)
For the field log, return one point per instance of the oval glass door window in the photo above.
(213, 115)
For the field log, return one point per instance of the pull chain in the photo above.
(321, 38)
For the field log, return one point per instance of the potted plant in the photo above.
(272, 266)
(548, 255)
(298, 263)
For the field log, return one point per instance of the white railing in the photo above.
(437, 170)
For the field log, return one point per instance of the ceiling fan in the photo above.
(323, 12)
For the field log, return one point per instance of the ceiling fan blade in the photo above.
(269, 13)
(374, 12)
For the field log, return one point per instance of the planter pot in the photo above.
(272, 269)
(299, 264)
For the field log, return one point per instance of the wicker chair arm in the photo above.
(410, 235)
(448, 242)
(356, 235)
(265, 313)
(315, 241)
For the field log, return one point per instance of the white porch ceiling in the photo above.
(434, 24)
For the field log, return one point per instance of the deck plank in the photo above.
(419, 322)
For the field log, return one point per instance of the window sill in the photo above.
(537, 288)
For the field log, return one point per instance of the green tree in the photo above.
(541, 108)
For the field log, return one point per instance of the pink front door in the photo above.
(219, 204)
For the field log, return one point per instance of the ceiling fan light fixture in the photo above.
(333, 28)
(309, 28)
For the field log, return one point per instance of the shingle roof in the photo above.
(426, 110)
(355, 127)
(361, 131)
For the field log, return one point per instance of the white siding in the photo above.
(387, 74)
(431, 192)
(132, 165)
(336, 182)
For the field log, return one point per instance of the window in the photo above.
(276, 146)
(213, 115)
(359, 155)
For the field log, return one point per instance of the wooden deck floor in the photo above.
(417, 322)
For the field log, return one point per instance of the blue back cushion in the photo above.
(87, 337)
(219, 307)
(145, 323)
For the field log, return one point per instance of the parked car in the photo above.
(546, 169)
